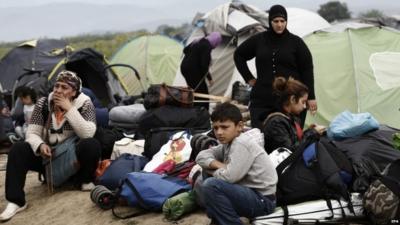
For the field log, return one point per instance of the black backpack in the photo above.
(324, 179)
(157, 125)
(382, 198)
(173, 116)
(156, 137)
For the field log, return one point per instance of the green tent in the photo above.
(356, 67)
(155, 57)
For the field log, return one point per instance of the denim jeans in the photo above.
(225, 203)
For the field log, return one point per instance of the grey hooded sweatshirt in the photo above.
(247, 163)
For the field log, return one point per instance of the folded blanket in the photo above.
(127, 113)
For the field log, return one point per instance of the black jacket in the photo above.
(276, 55)
(196, 62)
(280, 131)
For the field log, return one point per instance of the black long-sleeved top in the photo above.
(280, 131)
(196, 62)
(276, 55)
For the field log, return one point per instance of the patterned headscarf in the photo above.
(71, 79)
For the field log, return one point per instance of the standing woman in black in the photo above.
(277, 52)
(196, 62)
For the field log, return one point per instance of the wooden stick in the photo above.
(212, 97)
(216, 98)
(240, 106)
(209, 101)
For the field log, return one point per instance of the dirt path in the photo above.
(69, 206)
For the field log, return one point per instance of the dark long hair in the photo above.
(285, 88)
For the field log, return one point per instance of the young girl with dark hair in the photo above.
(282, 128)
(27, 96)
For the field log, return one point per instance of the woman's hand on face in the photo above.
(312, 106)
(252, 82)
(62, 102)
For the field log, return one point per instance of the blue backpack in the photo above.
(119, 168)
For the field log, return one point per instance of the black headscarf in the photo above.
(276, 11)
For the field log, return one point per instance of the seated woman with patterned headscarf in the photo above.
(70, 113)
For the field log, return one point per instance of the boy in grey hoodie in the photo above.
(243, 179)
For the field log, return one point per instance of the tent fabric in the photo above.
(237, 21)
(155, 57)
(33, 55)
(386, 69)
(303, 22)
(89, 66)
(349, 66)
(51, 56)
(343, 26)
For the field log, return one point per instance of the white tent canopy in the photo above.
(237, 21)
(302, 22)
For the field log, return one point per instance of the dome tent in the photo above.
(155, 57)
(30, 60)
(36, 64)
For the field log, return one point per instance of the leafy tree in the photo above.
(373, 13)
(334, 10)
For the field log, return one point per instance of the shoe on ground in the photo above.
(11, 210)
(87, 186)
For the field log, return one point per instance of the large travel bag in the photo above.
(162, 94)
(316, 212)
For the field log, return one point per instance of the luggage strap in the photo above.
(145, 209)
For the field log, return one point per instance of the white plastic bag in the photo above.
(177, 148)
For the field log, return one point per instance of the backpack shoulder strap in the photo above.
(145, 209)
(273, 115)
(297, 153)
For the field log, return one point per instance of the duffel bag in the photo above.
(162, 94)
(148, 191)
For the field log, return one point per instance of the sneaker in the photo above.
(87, 186)
(11, 210)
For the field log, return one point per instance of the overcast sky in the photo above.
(27, 19)
(201, 5)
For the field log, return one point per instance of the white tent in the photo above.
(237, 21)
(303, 22)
